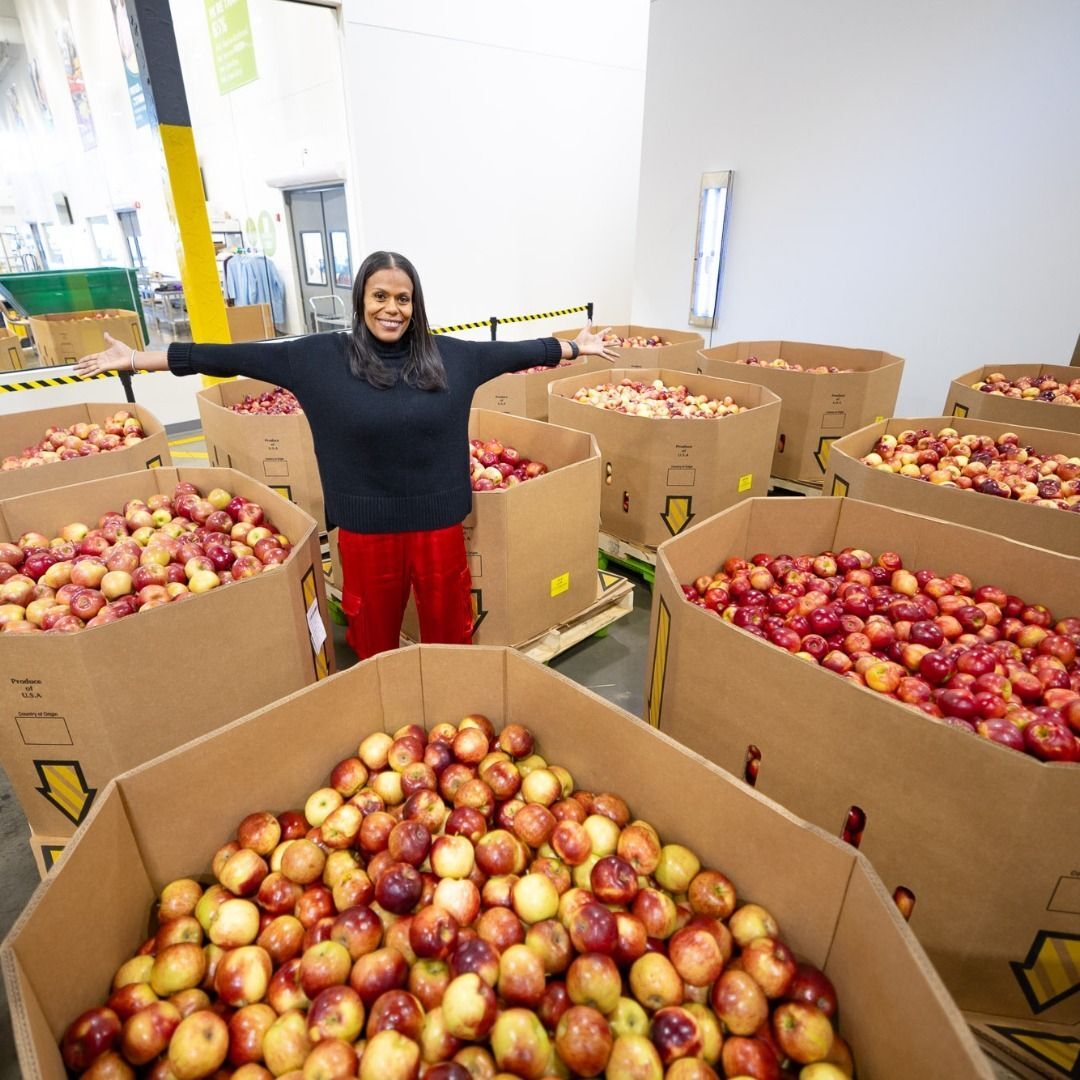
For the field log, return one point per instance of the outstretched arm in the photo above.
(267, 360)
(120, 357)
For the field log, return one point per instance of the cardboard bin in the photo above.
(78, 709)
(165, 820)
(531, 548)
(250, 322)
(24, 429)
(276, 450)
(965, 400)
(679, 350)
(10, 352)
(65, 337)
(983, 836)
(1042, 526)
(659, 475)
(525, 393)
(816, 410)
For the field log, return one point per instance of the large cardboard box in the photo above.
(165, 819)
(965, 400)
(816, 410)
(1042, 526)
(983, 836)
(525, 393)
(64, 337)
(276, 450)
(659, 475)
(250, 322)
(24, 429)
(531, 548)
(10, 352)
(679, 350)
(78, 709)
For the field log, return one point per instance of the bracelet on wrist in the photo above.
(574, 350)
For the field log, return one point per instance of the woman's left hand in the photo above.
(591, 343)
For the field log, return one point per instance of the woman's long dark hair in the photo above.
(423, 367)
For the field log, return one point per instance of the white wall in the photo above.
(906, 176)
(497, 145)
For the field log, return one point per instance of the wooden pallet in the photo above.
(637, 557)
(615, 599)
(793, 487)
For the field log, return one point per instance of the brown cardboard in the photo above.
(1042, 526)
(964, 400)
(149, 828)
(815, 409)
(10, 352)
(679, 351)
(276, 450)
(24, 429)
(65, 337)
(250, 322)
(659, 475)
(47, 851)
(976, 831)
(77, 709)
(525, 393)
(532, 548)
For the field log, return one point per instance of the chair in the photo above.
(328, 312)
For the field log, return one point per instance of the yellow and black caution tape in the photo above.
(544, 314)
(52, 380)
(485, 324)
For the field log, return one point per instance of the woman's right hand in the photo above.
(117, 357)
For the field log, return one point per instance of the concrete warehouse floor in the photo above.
(613, 666)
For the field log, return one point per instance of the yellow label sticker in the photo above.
(878, 419)
(746, 482)
(560, 584)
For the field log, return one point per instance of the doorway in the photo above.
(319, 228)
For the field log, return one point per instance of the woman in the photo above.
(388, 406)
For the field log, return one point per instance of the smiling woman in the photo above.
(388, 405)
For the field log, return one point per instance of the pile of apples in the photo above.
(1003, 466)
(783, 365)
(152, 553)
(653, 341)
(656, 401)
(495, 467)
(119, 431)
(1031, 388)
(976, 658)
(276, 402)
(450, 905)
(546, 367)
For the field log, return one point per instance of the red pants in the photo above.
(378, 570)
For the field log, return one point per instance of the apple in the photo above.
(89, 1036)
(633, 1057)
(803, 1032)
(148, 1032)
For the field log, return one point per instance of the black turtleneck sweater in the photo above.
(391, 460)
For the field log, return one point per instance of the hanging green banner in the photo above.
(232, 44)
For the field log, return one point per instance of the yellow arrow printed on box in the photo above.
(659, 664)
(1051, 971)
(1060, 1052)
(64, 785)
(821, 454)
(677, 514)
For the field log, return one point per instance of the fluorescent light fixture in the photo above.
(714, 202)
